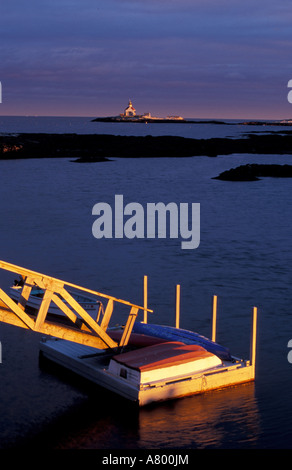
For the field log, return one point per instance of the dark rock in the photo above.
(94, 147)
(91, 160)
(252, 172)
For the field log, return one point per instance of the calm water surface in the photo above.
(244, 257)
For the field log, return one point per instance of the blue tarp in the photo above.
(185, 336)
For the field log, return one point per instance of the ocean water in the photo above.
(82, 125)
(244, 257)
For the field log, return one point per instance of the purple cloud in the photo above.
(200, 59)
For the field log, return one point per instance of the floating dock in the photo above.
(142, 362)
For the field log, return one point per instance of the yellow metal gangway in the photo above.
(82, 327)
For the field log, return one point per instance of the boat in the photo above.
(36, 296)
(188, 337)
(142, 362)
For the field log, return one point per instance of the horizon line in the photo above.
(94, 116)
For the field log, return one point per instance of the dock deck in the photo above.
(94, 366)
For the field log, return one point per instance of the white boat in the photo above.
(90, 305)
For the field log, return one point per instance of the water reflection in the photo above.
(226, 418)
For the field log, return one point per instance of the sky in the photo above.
(223, 59)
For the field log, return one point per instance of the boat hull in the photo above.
(170, 333)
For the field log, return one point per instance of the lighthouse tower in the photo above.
(130, 111)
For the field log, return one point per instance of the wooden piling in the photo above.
(253, 339)
(145, 298)
(214, 319)
(177, 306)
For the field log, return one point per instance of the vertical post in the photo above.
(25, 292)
(253, 338)
(177, 306)
(214, 319)
(145, 298)
(129, 326)
(107, 314)
(44, 307)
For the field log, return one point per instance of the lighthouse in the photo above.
(130, 111)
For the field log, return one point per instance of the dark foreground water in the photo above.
(244, 257)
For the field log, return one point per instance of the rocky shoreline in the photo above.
(100, 147)
(150, 120)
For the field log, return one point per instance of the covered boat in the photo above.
(178, 334)
(164, 361)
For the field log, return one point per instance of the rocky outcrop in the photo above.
(99, 147)
(253, 172)
(51, 146)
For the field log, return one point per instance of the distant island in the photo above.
(129, 115)
(285, 122)
(253, 172)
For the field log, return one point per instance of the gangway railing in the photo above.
(82, 327)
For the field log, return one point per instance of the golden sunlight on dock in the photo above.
(83, 328)
(140, 361)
